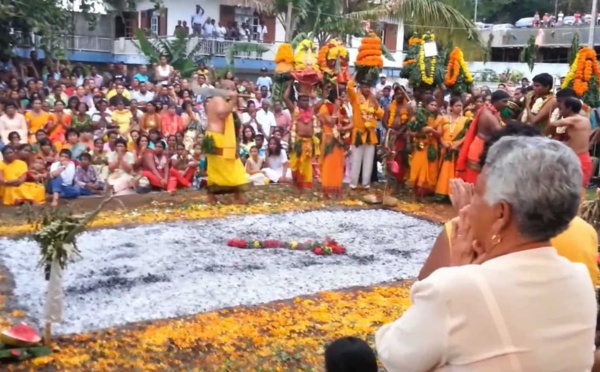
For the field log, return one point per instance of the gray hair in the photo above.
(265, 100)
(540, 178)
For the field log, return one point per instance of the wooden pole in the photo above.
(288, 22)
(47, 333)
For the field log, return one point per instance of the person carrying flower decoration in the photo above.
(334, 121)
(539, 103)
(584, 76)
(424, 164)
(486, 121)
(365, 108)
(284, 65)
(225, 171)
(458, 79)
(395, 118)
(452, 134)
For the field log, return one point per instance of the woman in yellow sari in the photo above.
(13, 188)
(452, 134)
(36, 119)
(425, 159)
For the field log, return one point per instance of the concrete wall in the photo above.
(554, 69)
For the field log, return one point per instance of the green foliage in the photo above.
(529, 53)
(574, 48)
(49, 21)
(176, 51)
(419, 121)
(242, 48)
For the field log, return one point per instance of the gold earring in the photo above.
(496, 239)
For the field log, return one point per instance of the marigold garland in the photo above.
(457, 73)
(427, 75)
(369, 52)
(584, 75)
(328, 247)
(392, 114)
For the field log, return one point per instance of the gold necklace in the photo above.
(452, 124)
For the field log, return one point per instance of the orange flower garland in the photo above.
(453, 68)
(369, 52)
(322, 59)
(583, 69)
(284, 54)
(414, 41)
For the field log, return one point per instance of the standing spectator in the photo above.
(546, 20)
(98, 79)
(164, 72)
(86, 176)
(12, 121)
(62, 173)
(577, 17)
(561, 17)
(264, 79)
(198, 21)
(221, 31)
(209, 28)
(283, 119)
(382, 83)
(536, 19)
(178, 28)
(185, 28)
(261, 31)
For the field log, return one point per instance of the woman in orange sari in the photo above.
(14, 189)
(452, 134)
(334, 122)
(36, 119)
(425, 158)
(57, 125)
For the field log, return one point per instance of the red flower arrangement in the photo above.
(328, 247)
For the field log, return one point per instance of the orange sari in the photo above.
(332, 155)
(35, 122)
(425, 161)
(451, 133)
(56, 134)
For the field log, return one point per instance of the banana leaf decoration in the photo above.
(529, 53)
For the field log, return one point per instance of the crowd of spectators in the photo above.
(73, 131)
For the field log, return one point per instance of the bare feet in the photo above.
(211, 199)
(54, 203)
(239, 198)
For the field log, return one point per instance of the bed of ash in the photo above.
(173, 269)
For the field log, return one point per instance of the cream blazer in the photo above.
(531, 311)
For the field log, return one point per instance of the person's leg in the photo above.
(171, 183)
(154, 181)
(70, 192)
(357, 155)
(55, 186)
(85, 191)
(180, 180)
(367, 164)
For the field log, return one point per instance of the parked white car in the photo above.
(483, 26)
(503, 27)
(526, 22)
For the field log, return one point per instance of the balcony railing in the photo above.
(544, 37)
(69, 42)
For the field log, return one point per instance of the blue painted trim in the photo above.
(240, 64)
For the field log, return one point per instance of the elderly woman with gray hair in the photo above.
(509, 302)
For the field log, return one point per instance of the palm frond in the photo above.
(386, 53)
(449, 22)
(145, 46)
(298, 38)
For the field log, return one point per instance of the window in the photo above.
(154, 24)
(250, 17)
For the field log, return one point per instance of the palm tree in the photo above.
(440, 17)
(176, 51)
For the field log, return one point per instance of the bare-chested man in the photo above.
(539, 103)
(225, 171)
(484, 124)
(302, 143)
(579, 130)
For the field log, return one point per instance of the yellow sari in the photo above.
(225, 171)
(26, 192)
(36, 121)
(425, 160)
(452, 132)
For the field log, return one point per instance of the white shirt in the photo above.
(267, 120)
(142, 97)
(246, 119)
(67, 175)
(197, 19)
(262, 31)
(264, 81)
(209, 29)
(526, 311)
(379, 87)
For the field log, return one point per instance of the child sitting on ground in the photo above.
(37, 171)
(350, 354)
(254, 165)
(200, 176)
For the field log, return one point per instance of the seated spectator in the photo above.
(171, 145)
(86, 138)
(505, 275)
(350, 354)
(111, 141)
(14, 188)
(200, 159)
(86, 177)
(122, 117)
(277, 165)
(62, 177)
(155, 167)
(100, 159)
(81, 119)
(171, 123)
(154, 136)
(38, 173)
(77, 148)
(47, 152)
(58, 124)
(12, 121)
(278, 133)
(134, 135)
(35, 144)
(101, 119)
(183, 167)
(247, 142)
(120, 166)
(259, 141)
(254, 164)
(151, 119)
(14, 140)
